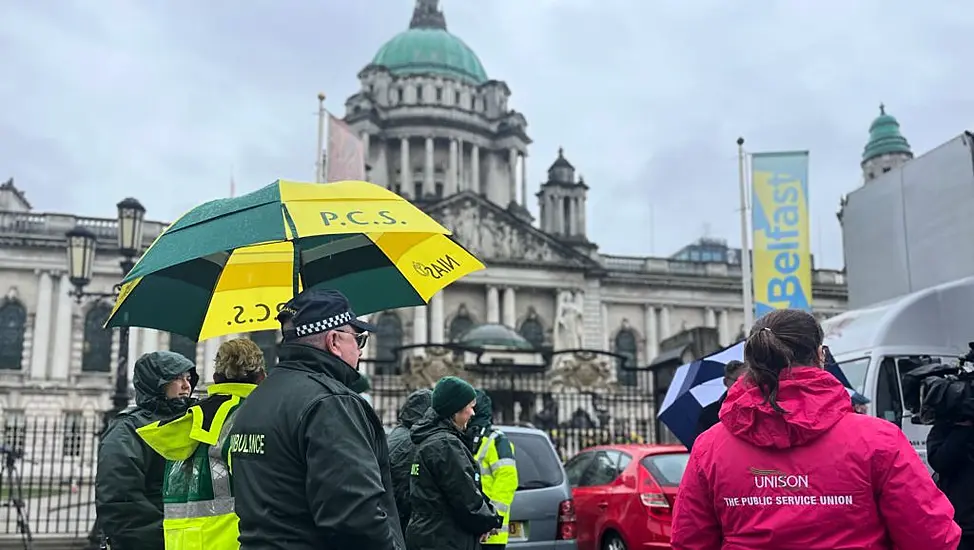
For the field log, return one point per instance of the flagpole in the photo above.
(319, 155)
(746, 282)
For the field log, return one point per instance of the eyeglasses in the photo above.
(361, 338)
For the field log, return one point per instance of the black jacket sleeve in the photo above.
(400, 462)
(344, 481)
(453, 474)
(950, 448)
(127, 517)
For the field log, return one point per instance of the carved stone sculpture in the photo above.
(569, 329)
(422, 371)
(582, 371)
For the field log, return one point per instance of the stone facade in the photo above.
(456, 149)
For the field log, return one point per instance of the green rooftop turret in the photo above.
(885, 138)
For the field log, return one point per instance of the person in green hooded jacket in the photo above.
(128, 483)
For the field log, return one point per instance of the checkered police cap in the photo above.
(318, 310)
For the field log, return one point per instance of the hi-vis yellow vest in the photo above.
(197, 490)
(498, 477)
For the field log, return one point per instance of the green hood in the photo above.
(483, 416)
(152, 372)
(415, 407)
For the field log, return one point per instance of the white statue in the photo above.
(568, 327)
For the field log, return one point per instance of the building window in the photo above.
(439, 95)
(73, 422)
(266, 340)
(388, 341)
(97, 352)
(456, 98)
(418, 189)
(400, 95)
(460, 324)
(439, 189)
(532, 331)
(625, 345)
(183, 346)
(15, 429)
(13, 324)
(419, 94)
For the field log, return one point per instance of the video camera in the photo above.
(938, 392)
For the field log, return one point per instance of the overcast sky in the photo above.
(164, 99)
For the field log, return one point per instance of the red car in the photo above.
(624, 495)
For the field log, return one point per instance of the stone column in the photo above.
(664, 323)
(150, 341)
(510, 308)
(606, 337)
(419, 325)
(41, 339)
(582, 230)
(205, 370)
(652, 333)
(475, 169)
(723, 327)
(524, 181)
(462, 182)
(405, 178)
(63, 327)
(436, 318)
(428, 167)
(559, 214)
(710, 318)
(512, 170)
(493, 305)
(366, 143)
(452, 179)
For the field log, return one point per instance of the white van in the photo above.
(873, 346)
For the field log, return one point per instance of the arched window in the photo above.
(625, 345)
(97, 353)
(461, 323)
(388, 339)
(183, 346)
(13, 324)
(532, 331)
(266, 340)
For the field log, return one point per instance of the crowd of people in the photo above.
(296, 458)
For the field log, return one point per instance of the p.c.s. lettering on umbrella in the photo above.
(359, 217)
(256, 313)
(437, 268)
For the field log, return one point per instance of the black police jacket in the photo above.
(950, 452)
(449, 511)
(310, 462)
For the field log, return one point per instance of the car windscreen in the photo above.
(537, 464)
(667, 469)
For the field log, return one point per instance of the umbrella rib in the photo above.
(296, 262)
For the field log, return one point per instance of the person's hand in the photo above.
(965, 423)
(488, 534)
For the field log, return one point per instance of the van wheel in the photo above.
(613, 542)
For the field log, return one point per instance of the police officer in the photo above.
(494, 454)
(308, 455)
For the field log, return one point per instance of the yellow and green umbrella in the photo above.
(229, 265)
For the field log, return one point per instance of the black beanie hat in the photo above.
(451, 395)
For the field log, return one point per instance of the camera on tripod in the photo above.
(937, 392)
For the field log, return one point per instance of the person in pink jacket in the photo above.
(791, 466)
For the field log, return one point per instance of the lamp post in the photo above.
(82, 244)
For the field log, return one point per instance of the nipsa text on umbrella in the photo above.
(437, 268)
(359, 217)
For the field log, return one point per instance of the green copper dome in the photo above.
(427, 48)
(885, 137)
(494, 335)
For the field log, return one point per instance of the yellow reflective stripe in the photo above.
(502, 463)
(485, 445)
(502, 508)
(199, 509)
(211, 435)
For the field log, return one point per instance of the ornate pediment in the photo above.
(492, 233)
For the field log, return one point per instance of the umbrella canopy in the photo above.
(701, 382)
(229, 265)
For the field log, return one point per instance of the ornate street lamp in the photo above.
(81, 247)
